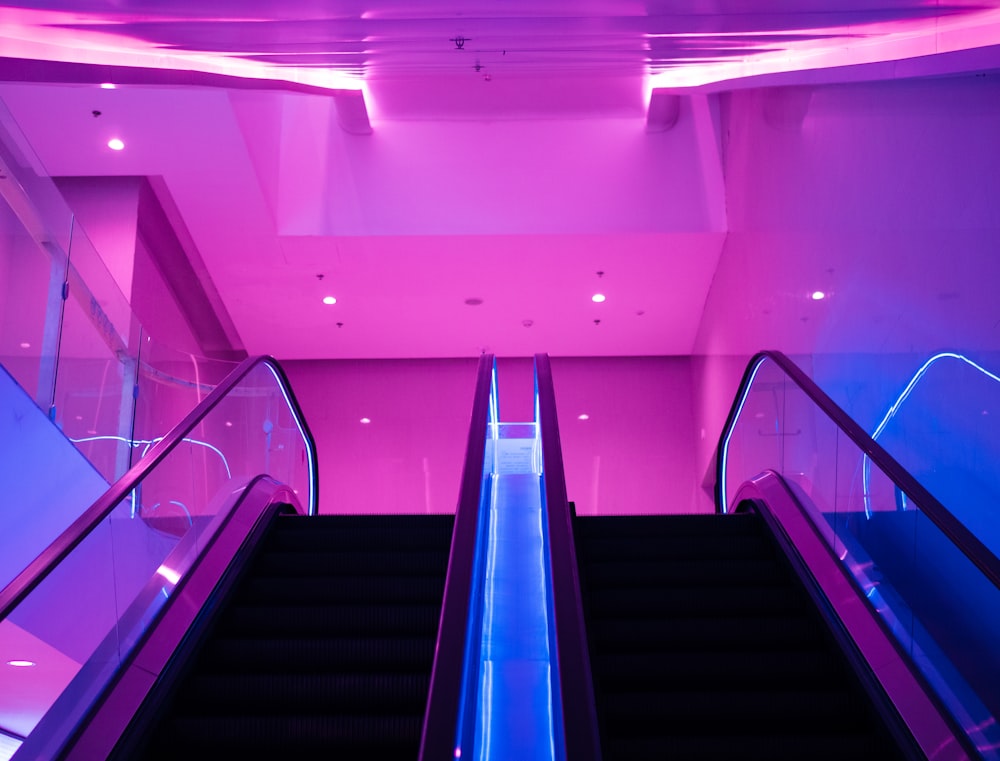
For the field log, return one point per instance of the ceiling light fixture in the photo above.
(25, 345)
(21, 664)
(817, 295)
(583, 416)
(329, 300)
(107, 85)
(365, 421)
(597, 298)
(116, 144)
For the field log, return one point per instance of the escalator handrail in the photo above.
(36, 571)
(972, 547)
(907, 706)
(576, 685)
(445, 693)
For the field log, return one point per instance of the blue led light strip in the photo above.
(894, 408)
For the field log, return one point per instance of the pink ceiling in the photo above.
(508, 158)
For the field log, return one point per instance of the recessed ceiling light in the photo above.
(107, 85)
(583, 416)
(817, 295)
(329, 300)
(25, 345)
(116, 144)
(365, 421)
(21, 664)
(229, 424)
(597, 298)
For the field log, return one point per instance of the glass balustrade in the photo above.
(906, 553)
(75, 629)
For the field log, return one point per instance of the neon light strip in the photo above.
(894, 408)
(846, 46)
(150, 442)
(722, 495)
(311, 507)
(60, 36)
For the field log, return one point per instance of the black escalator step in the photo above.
(697, 669)
(354, 533)
(386, 521)
(343, 589)
(344, 655)
(659, 635)
(693, 572)
(605, 526)
(785, 746)
(293, 564)
(288, 694)
(331, 620)
(679, 547)
(670, 602)
(807, 710)
(271, 736)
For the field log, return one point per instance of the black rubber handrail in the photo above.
(576, 685)
(977, 552)
(36, 571)
(445, 694)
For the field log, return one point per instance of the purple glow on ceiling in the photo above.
(341, 45)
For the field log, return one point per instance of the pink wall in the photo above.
(634, 454)
(408, 459)
(478, 177)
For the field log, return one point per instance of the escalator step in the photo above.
(696, 572)
(808, 710)
(342, 589)
(270, 736)
(685, 601)
(331, 620)
(305, 655)
(657, 635)
(290, 694)
(605, 526)
(322, 649)
(293, 564)
(783, 746)
(705, 645)
(698, 669)
(359, 533)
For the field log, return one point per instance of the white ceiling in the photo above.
(508, 158)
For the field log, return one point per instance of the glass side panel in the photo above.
(943, 612)
(30, 306)
(169, 385)
(96, 370)
(80, 623)
(942, 427)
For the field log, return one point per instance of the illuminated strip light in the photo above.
(311, 507)
(721, 495)
(61, 36)
(150, 442)
(894, 408)
(846, 46)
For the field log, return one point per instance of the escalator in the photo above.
(704, 644)
(252, 632)
(251, 626)
(323, 648)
